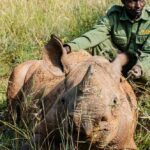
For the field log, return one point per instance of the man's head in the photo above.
(134, 8)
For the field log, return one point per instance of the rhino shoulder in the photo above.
(78, 56)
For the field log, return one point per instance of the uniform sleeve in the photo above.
(97, 41)
(144, 59)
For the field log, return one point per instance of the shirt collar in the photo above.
(143, 16)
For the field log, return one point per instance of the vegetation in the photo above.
(27, 24)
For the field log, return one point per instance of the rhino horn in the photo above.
(55, 54)
(84, 84)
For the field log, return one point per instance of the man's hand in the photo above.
(135, 72)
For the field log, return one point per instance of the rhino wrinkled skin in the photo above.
(84, 95)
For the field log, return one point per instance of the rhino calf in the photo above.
(84, 97)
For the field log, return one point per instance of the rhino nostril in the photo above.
(103, 119)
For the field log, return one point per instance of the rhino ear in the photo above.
(55, 54)
(118, 63)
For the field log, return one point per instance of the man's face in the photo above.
(134, 7)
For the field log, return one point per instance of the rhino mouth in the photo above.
(98, 137)
(101, 144)
(101, 138)
(105, 146)
(98, 141)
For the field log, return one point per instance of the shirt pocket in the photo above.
(141, 39)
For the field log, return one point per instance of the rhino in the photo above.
(84, 97)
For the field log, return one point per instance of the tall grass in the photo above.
(25, 25)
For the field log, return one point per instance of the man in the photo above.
(124, 29)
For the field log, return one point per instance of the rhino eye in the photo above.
(115, 106)
(114, 102)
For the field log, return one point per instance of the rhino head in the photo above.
(102, 110)
(102, 113)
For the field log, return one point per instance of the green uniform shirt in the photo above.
(117, 32)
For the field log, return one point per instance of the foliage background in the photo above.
(25, 25)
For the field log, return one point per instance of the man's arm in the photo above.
(98, 34)
(97, 41)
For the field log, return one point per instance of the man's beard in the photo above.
(134, 14)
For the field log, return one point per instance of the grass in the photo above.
(27, 24)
